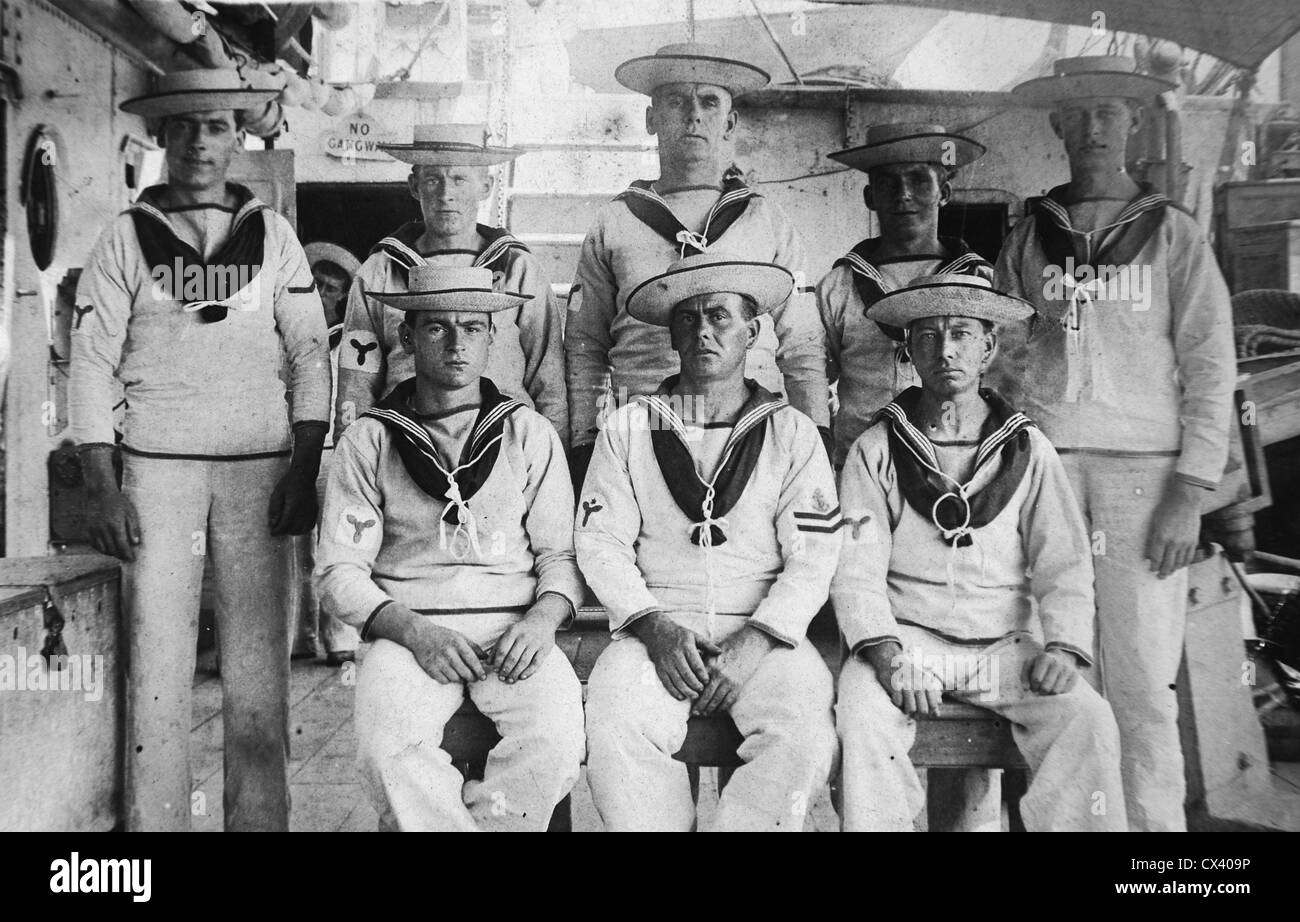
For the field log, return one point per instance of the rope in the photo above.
(466, 525)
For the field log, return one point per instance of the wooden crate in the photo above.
(1266, 256)
(61, 756)
(1241, 204)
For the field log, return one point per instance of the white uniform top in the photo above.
(526, 359)
(1149, 367)
(782, 535)
(1029, 569)
(197, 389)
(384, 539)
(603, 344)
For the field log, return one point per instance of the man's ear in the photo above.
(1137, 117)
(751, 327)
(406, 335)
(1054, 119)
(945, 192)
(733, 119)
(485, 187)
(990, 349)
(413, 185)
(868, 197)
(650, 127)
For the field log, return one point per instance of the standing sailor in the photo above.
(966, 572)
(450, 179)
(708, 528)
(333, 267)
(909, 169)
(447, 539)
(193, 298)
(1130, 371)
(697, 201)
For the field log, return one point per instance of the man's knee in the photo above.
(625, 696)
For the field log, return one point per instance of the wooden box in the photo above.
(1241, 204)
(1266, 256)
(61, 731)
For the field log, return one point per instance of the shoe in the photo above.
(340, 657)
(303, 654)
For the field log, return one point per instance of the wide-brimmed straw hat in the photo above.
(203, 90)
(1092, 76)
(949, 295)
(691, 62)
(766, 284)
(320, 250)
(910, 142)
(434, 288)
(451, 145)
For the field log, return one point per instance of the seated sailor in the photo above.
(447, 538)
(965, 571)
(708, 527)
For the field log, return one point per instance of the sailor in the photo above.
(447, 539)
(965, 571)
(1130, 372)
(193, 298)
(333, 267)
(909, 168)
(708, 527)
(699, 200)
(450, 179)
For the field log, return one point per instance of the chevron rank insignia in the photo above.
(824, 517)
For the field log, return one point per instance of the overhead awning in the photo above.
(1243, 32)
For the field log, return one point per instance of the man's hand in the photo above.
(1175, 528)
(446, 655)
(1052, 672)
(913, 690)
(731, 668)
(114, 527)
(292, 510)
(523, 647)
(675, 652)
(111, 518)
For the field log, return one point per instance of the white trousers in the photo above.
(400, 716)
(634, 726)
(1141, 622)
(1070, 742)
(189, 509)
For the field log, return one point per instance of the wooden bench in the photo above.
(964, 736)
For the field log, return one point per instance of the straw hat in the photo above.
(432, 288)
(910, 142)
(451, 145)
(1092, 76)
(652, 301)
(197, 91)
(321, 250)
(949, 295)
(690, 62)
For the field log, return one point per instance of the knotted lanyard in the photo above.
(932, 493)
(240, 256)
(707, 502)
(1118, 245)
(871, 285)
(650, 209)
(420, 457)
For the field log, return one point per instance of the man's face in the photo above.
(906, 195)
(693, 121)
(711, 335)
(1096, 131)
(332, 290)
(950, 353)
(449, 196)
(450, 347)
(199, 147)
